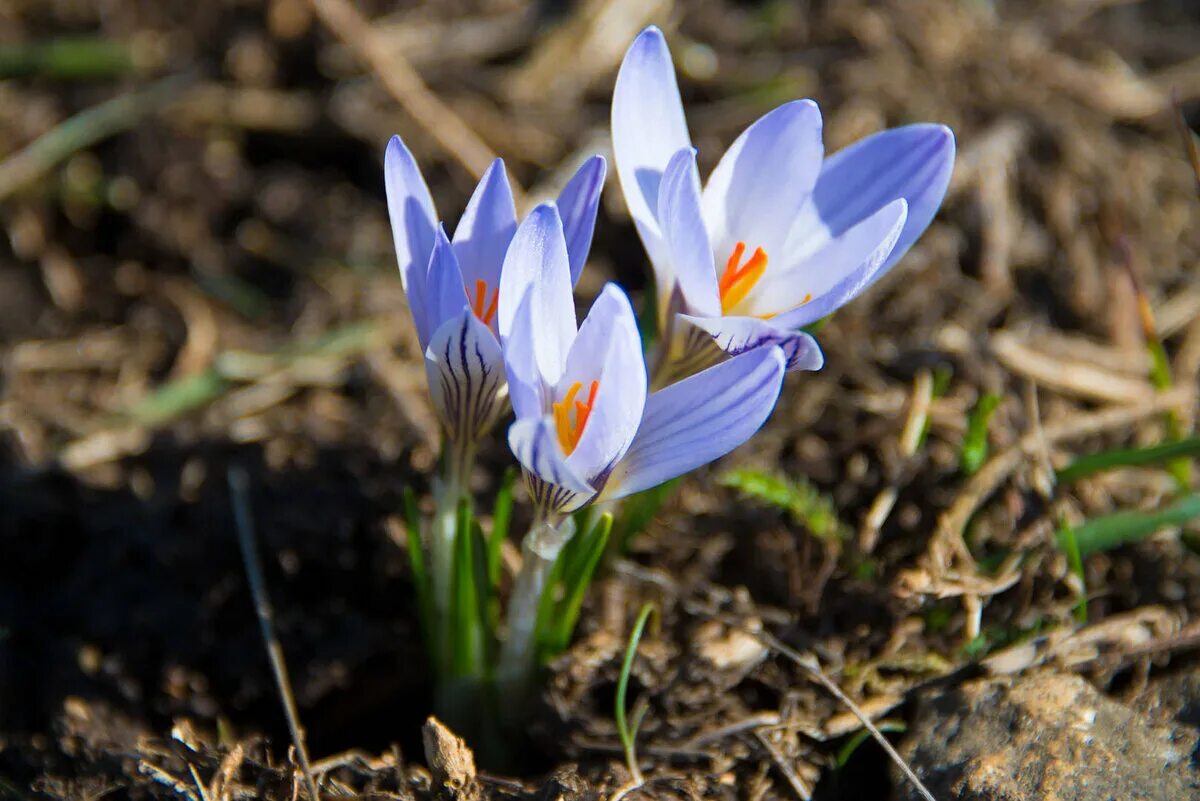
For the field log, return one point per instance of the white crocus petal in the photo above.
(486, 228)
(465, 369)
(527, 387)
(413, 219)
(648, 127)
(763, 180)
(553, 484)
(913, 162)
(537, 260)
(608, 335)
(834, 275)
(444, 294)
(685, 236)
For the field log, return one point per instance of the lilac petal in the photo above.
(486, 227)
(465, 369)
(685, 235)
(444, 294)
(578, 203)
(835, 274)
(913, 162)
(527, 389)
(764, 180)
(553, 485)
(648, 127)
(699, 419)
(607, 350)
(736, 335)
(413, 223)
(537, 260)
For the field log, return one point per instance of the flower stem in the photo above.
(539, 550)
(449, 490)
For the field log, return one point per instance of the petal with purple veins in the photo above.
(699, 419)
(465, 369)
(737, 335)
(685, 235)
(553, 485)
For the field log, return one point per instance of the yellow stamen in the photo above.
(570, 428)
(736, 282)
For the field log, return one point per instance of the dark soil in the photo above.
(243, 215)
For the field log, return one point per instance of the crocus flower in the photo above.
(586, 429)
(780, 236)
(453, 285)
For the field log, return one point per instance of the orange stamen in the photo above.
(737, 281)
(569, 429)
(484, 314)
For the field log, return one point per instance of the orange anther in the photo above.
(570, 428)
(484, 314)
(737, 281)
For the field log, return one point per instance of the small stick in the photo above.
(809, 665)
(1189, 138)
(404, 83)
(238, 484)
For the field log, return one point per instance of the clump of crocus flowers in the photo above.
(778, 238)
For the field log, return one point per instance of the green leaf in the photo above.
(626, 732)
(636, 512)
(1128, 457)
(576, 581)
(974, 449)
(416, 561)
(1121, 528)
(859, 737)
(501, 517)
(800, 499)
(1069, 542)
(489, 613)
(464, 636)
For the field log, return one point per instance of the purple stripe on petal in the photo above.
(555, 487)
(465, 369)
(485, 229)
(737, 335)
(913, 162)
(577, 204)
(699, 419)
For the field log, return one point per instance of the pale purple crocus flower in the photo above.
(453, 285)
(586, 426)
(453, 289)
(780, 236)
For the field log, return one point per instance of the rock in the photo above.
(1046, 736)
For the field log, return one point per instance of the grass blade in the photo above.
(627, 733)
(501, 519)
(1128, 457)
(974, 450)
(577, 581)
(416, 562)
(1070, 544)
(804, 502)
(464, 639)
(1122, 528)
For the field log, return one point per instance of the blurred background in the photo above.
(196, 270)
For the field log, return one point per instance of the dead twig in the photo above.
(403, 82)
(244, 522)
